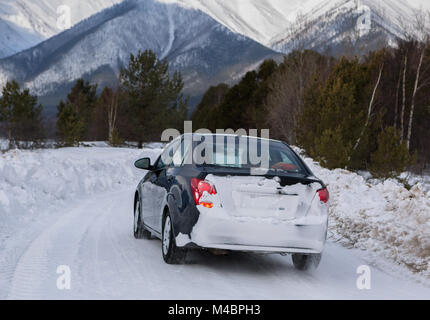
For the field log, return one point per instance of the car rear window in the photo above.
(246, 152)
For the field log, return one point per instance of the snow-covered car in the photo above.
(228, 202)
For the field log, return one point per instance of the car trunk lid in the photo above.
(281, 198)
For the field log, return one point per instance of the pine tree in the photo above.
(309, 118)
(75, 115)
(206, 111)
(70, 125)
(337, 111)
(391, 158)
(20, 114)
(154, 99)
(244, 104)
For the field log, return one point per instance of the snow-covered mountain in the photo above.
(204, 51)
(260, 20)
(328, 23)
(208, 40)
(274, 22)
(25, 23)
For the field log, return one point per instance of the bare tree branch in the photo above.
(369, 112)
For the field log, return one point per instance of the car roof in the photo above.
(228, 135)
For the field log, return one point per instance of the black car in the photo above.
(229, 203)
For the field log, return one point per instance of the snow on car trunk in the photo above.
(260, 214)
(259, 197)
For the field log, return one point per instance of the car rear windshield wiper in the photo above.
(287, 172)
(225, 168)
(208, 165)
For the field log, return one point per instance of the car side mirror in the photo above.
(144, 164)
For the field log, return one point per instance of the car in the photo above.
(228, 202)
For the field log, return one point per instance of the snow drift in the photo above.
(382, 217)
(33, 181)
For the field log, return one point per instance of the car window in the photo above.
(181, 152)
(280, 157)
(178, 156)
(285, 158)
(167, 155)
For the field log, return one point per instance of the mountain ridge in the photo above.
(26, 23)
(265, 21)
(272, 21)
(205, 51)
(334, 21)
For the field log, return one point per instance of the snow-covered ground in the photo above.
(73, 207)
(383, 218)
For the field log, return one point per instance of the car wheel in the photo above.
(171, 253)
(138, 227)
(306, 261)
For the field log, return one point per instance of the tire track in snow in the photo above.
(95, 239)
(35, 272)
(89, 251)
(32, 268)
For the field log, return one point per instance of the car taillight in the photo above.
(198, 187)
(324, 195)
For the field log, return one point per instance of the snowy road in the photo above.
(94, 239)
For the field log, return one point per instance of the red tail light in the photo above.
(324, 195)
(198, 187)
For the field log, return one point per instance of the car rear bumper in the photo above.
(260, 249)
(217, 230)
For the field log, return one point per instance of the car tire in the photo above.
(139, 229)
(171, 253)
(306, 262)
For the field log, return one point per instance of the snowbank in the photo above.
(414, 179)
(4, 144)
(383, 217)
(32, 181)
(52, 144)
